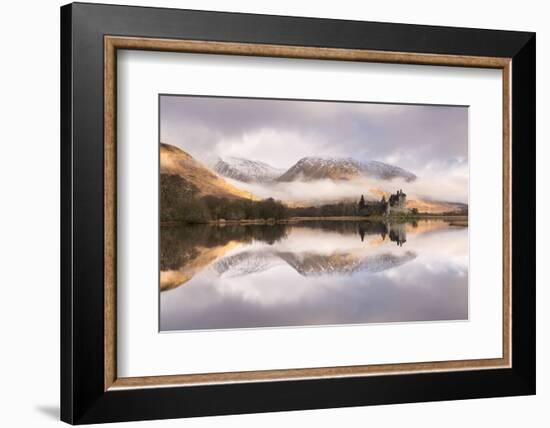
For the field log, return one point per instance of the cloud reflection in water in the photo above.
(315, 274)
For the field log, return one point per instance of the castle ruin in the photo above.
(397, 203)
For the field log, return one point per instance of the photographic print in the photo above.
(292, 213)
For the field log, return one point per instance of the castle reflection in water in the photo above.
(396, 232)
(312, 273)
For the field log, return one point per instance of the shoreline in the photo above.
(291, 220)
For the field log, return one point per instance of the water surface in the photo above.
(312, 273)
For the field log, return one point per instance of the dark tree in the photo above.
(362, 203)
(179, 202)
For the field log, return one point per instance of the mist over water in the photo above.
(452, 188)
(312, 273)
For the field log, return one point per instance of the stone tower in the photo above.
(397, 203)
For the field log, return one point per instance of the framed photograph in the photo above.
(266, 213)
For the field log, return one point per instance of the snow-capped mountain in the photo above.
(246, 170)
(316, 168)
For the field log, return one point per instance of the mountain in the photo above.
(195, 175)
(246, 170)
(316, 168)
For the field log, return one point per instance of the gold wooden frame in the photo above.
(113, 43)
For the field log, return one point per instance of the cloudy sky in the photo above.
(426, 140)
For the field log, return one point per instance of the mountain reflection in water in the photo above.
(312, 273)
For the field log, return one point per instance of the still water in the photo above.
(312, 273)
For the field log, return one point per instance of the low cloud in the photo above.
(452, 188)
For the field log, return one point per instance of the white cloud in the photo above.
(426, 140)
(452, 188)
(279, 148)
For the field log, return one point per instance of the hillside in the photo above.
(436, 207)
(174, 161)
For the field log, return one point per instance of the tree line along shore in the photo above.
(180, 202)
